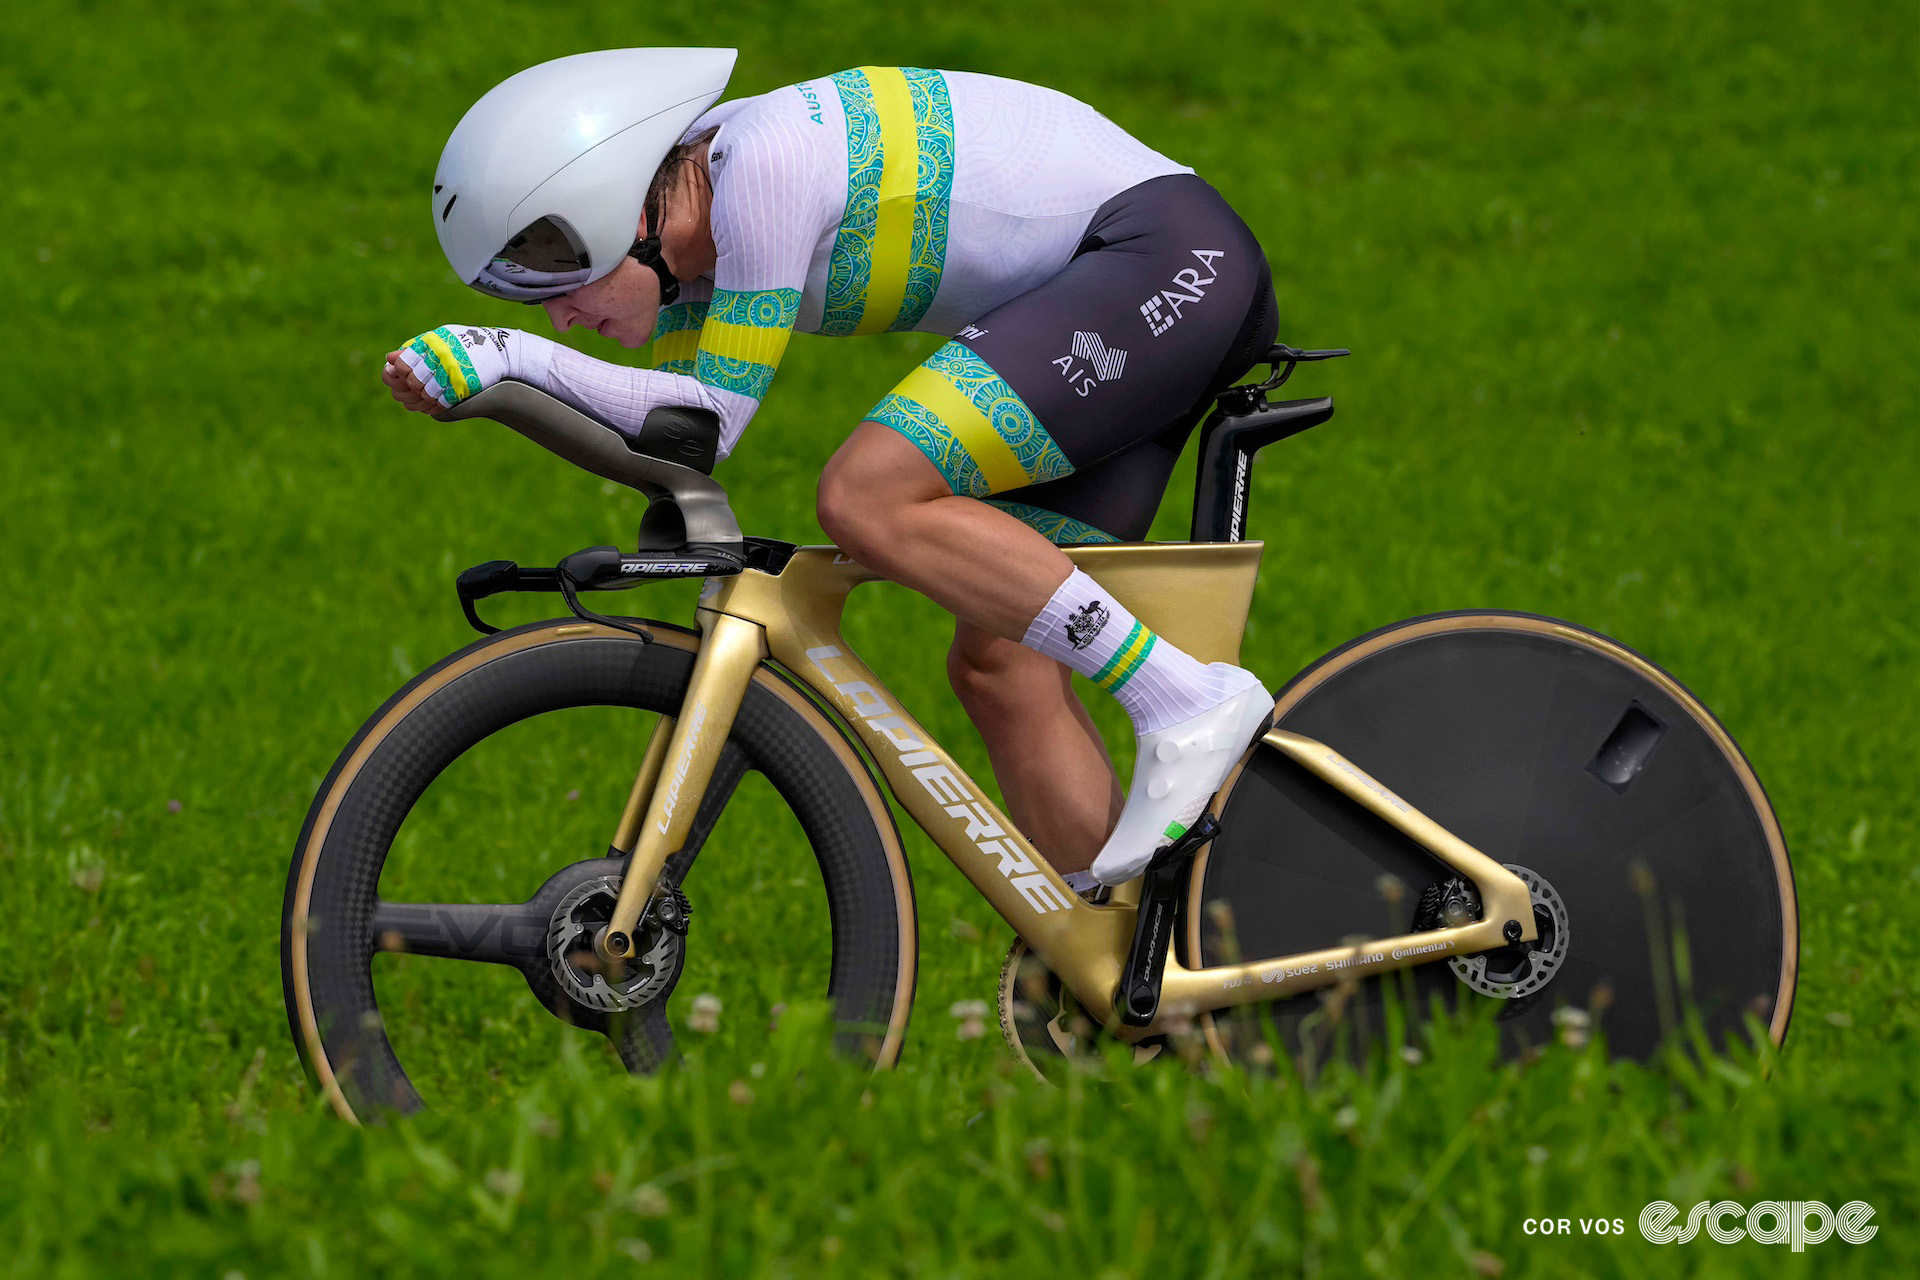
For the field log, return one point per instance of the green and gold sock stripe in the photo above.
(892, 244)
(1058, 529)
(744, 337)
(447, 360)
(677, 336)
(1126, 659)
(971, 425)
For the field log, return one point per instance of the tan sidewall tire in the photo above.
(837, 754)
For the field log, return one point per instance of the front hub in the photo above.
(613, 986)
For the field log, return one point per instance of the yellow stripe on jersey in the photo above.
(893, 218)
(744, 342)
(891, 246)
(675, 346)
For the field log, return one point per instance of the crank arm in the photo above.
(1137, 999)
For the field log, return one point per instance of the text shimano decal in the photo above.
(680, 770)
(942, 784)
(1346, 766)
(1188, 285)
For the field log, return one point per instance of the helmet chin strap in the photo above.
(646, 252)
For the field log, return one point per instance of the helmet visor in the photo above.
(543, 261)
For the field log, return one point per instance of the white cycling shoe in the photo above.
(1175, 773)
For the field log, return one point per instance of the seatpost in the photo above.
(1243, 423)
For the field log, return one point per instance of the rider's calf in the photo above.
(1000, 683)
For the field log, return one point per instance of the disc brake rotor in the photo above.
(584, 976)
(1512, 973)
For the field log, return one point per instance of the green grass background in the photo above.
(1632, 296)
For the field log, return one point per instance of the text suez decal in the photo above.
(1040, 893)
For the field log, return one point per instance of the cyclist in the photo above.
(1097, 295)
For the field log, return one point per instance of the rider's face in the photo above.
(623, 305)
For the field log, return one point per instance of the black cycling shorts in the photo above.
(1069, 404)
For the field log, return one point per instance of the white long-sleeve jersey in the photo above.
(878, 199)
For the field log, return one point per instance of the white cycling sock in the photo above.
(1080, 881)
(1086, 628)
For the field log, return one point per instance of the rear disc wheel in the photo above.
(1547, 747)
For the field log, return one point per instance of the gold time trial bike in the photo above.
(1491, 806)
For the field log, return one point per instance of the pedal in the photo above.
(1138, 998)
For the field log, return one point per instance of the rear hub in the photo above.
(1517, 971)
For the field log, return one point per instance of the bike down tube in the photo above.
(1505, 900)
(801, 610)
(730, 650)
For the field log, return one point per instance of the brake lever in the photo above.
(585, 614)
(493, 578)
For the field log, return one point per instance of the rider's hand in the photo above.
(404, 387)
(444, 366)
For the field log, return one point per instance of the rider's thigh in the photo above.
(1164, 303)
(872, 473)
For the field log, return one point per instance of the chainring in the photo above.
(1044, 1025)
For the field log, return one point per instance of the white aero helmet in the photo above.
(540, 188)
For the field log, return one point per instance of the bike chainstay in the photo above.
(1165, 881)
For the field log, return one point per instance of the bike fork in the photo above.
(730, 651)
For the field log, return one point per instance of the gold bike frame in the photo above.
(1195, 594)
